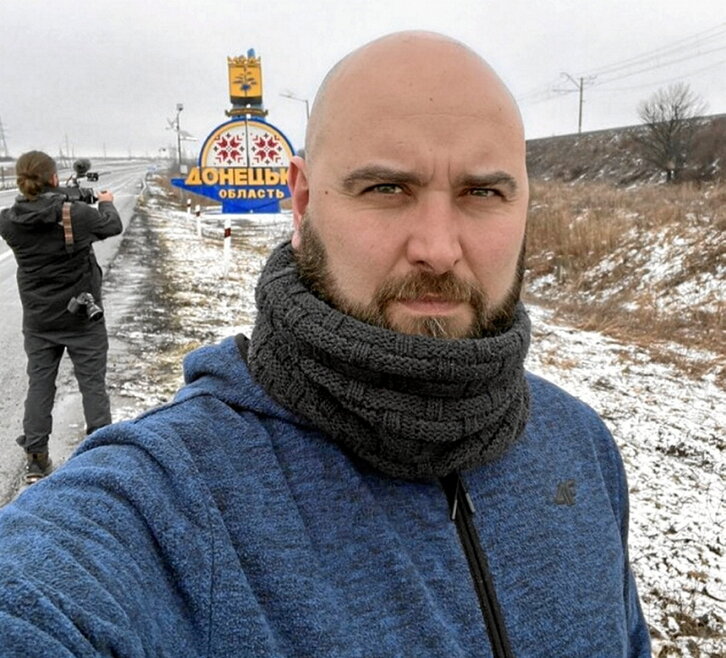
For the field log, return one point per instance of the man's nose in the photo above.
(434, 241)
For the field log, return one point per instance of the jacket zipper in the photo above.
(462, 509)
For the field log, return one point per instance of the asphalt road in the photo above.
(125, 181)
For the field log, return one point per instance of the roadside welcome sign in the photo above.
(243, 163)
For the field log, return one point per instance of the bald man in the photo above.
(372, 472)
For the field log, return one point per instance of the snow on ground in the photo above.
(670, 429)
(671, 434)
(668, 273)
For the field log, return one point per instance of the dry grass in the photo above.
(638, 263)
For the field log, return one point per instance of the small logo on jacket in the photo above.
(565, 493)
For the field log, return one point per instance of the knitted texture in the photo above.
(413, 407)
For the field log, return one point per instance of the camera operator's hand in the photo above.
(105, 195)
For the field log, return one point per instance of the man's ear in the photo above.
(300, 190)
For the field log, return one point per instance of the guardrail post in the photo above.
(227, 253)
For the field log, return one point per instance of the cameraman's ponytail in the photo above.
(34, 171)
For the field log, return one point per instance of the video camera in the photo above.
(73, 189)
(85, 302)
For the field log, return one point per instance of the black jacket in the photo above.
(48, 276)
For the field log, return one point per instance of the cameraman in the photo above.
(56, 267)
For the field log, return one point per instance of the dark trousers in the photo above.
(87, 350)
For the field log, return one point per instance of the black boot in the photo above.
(38, 465)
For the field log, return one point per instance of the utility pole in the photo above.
(179, 108)
(64, 156)
(579, 87)
(3, 144)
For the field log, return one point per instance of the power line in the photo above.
(663, 64)
(698, 39)
(647, 61)
(690, 74)
(535, 93)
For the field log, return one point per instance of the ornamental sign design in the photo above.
(243, 164)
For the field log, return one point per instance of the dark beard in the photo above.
(313, 267)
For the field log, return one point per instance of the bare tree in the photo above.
(670, 118)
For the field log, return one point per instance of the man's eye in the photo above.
(485, 192)
(385, 188)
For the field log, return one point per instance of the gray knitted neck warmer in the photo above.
(411, 406)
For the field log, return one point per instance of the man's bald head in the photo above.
(414, 174)
(423, 68)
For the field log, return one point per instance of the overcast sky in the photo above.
(106, 75)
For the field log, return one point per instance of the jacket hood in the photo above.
(44, 209)
(220, 370)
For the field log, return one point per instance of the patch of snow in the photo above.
(671, 434)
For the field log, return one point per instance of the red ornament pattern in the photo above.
(267, 151)
(228, 150)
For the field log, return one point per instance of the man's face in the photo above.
(412, 208)
(314, 267)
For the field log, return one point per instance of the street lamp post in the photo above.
(290, 95)
(179, 108)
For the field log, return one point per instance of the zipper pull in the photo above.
(469, 502)
(450, 485)
(455, 505)
(456, 492)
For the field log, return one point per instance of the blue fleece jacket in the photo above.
(222, 525)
